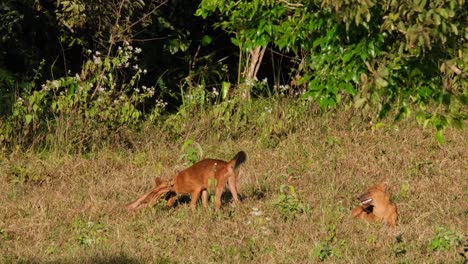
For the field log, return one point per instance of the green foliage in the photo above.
(403, 193)
(104, 22)
(3, 235)
(400, 248)
(19, 175)
(386, 58)
(90, 234)
(192, 152)
(445, 239)
(331, 247)
(98, 99)
(288, 204)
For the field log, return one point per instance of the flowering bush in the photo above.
(99, 99)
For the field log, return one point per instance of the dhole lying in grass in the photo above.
(376, 206)
(194, 181)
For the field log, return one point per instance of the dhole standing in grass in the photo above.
(376, 206)
(195, 180)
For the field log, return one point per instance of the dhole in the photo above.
(376, 206)
(194, 181)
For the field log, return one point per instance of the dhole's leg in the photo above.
(233, 188)
(369, 217)
(195, 195)
(218, 193)
(205, 198)
(171, 201)
(356, 211)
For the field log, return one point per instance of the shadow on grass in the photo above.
(97, 259)
(226, 198)
(120, 259)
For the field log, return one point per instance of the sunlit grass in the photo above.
(70, 208)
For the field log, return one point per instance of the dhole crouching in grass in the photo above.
(195, 180)
(376, 206)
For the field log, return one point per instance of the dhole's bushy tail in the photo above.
(239, 158)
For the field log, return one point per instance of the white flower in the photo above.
(137, 50)
(135, 67)
(55, 83)
(98, 53)
(145, 71)
(97, 60)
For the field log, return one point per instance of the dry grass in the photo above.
(69, 209)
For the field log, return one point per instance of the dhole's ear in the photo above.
(381, 186)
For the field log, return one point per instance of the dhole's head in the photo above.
(375, 195)
(376, 205)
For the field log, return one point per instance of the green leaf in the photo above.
(457, 122)
(206, 40)
(235, 41)
(225, 89)
(454, 29)
(440, 137)
(28, 119)
(359, 102)
(380, 82)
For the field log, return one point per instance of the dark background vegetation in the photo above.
(386, 60)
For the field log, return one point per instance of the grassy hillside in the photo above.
(69, 208)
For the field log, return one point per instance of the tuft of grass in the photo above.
(445, 239)
(288, 204)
